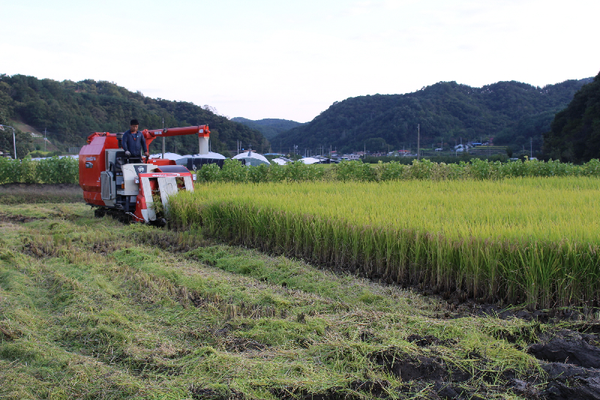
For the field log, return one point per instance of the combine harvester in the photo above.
(132, 188)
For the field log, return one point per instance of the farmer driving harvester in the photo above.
(134, 141)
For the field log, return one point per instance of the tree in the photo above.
(446, 110)
(73, 110)
(575, 131)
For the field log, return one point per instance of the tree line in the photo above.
(562, 120)
(269, 127)
(510, 114)
(70, 111)
(575, 132)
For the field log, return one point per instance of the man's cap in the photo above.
(134, 122)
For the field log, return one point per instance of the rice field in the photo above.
(521, 240)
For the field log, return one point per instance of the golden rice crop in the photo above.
(531, 240)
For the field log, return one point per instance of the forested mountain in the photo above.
(269, 127)
(575, 133)
(70, 111)
(512, 113)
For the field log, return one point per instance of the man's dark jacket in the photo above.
(134, 143)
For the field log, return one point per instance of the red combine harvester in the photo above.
(131, 188)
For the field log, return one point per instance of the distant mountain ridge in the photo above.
(269, 127)
(512, 113)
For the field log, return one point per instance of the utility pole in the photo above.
(418, 141)
(14, 140)
(45, 140)
(530, 148)
(163, 140)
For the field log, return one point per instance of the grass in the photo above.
(91, 308)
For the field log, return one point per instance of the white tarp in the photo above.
(281, 161)
(310, 160)
(168, 156)
(45, 158)
(210, 154)
(252, 158)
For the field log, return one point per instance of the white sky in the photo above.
(292, 59)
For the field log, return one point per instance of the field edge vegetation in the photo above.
(56, 170)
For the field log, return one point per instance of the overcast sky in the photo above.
(292, 59)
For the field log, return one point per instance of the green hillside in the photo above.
(512, 113)
(70, 111)
(269, 127)
(575, 133)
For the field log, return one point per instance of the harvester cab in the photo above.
(129, 188)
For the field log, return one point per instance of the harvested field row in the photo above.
(19, 193)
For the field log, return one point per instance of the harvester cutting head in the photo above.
(155, 187)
